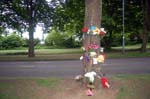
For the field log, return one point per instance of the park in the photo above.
(87, 49)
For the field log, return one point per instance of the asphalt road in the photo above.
(72, 68)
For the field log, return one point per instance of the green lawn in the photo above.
(63, 54)
(42, 51)
(130, 47)
(134, 87)
(23, 88)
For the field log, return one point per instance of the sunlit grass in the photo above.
(130, 47)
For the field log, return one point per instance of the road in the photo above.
(72, 68)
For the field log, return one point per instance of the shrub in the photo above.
(12, 41)
(26, 42)
(54, 39)
(1, 42)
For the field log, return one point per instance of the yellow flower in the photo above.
(96, 31)
(100, 59)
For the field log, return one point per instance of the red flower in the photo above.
(84, 29)
(102, 33)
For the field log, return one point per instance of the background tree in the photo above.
(112, 21)
(25, 14)
(146, 25)
(55, 38)
(69, 16)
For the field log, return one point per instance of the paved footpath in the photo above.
(72, 68)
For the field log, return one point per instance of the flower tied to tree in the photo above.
(84, 29)
(94, 46)
(93, 30)
(102, 32)
(85, 57)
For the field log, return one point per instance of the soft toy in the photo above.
(90, 76)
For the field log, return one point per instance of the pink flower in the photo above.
(94, 46)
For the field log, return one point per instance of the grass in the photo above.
(58, 51)
(42, 51)
(66, 54)
(50, 82)
(127, 54)
(19, 88)
(134, 87)
(130, 47)
(71, 56)
(133, 77)
(130, 87)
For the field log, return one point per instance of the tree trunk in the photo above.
(31, 41)
(93, 9)
(146, 12)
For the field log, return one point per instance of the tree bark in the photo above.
(31, 41)
(146, 13)
(93, 9)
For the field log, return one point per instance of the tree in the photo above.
(111, 20)
(146, 25)
(91, 36)
(69, 15)
(55, 38)
(25, 14)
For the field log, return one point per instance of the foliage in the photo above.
(60, 39)
(55, 38)
(26, 42)
(1, 41)
(112, 20)
(12, 41)
(25, 14)
(69, 16)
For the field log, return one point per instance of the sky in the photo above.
(38, 33)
